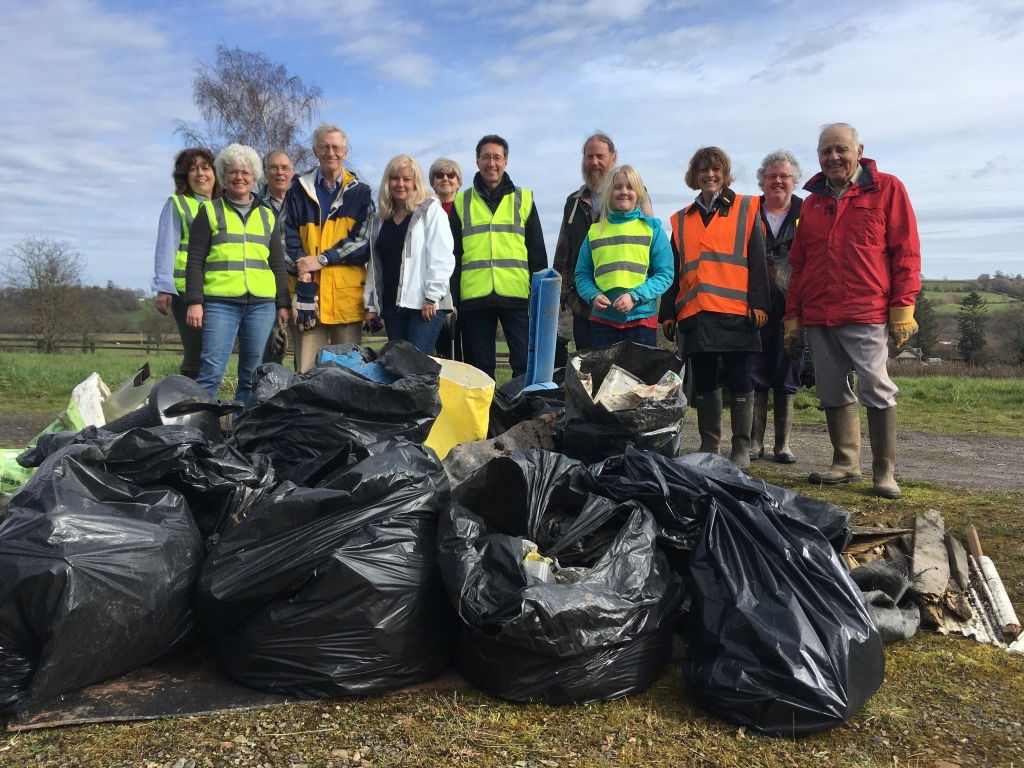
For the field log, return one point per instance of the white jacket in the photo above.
(428, 260)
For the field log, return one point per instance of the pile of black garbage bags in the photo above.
(322, 552)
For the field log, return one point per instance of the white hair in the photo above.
(775, 158)
(853, 131)
(237, 156)
(325, 128)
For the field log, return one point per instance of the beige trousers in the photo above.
(309, 342)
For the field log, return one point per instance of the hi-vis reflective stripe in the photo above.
(714, 290)
(602, 242)
(236, 266)
(223, 236)
(516, 227)
(186, 212)
(495, 263)
(621, 266)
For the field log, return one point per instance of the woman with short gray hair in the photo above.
(772, 369)
(235, 273)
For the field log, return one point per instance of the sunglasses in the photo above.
(446, 175)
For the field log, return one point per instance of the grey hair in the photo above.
(602, 137)
(853, 131)
(238, 156)
(329, 128)
(444, 165)
(776, 157)
(271, 153)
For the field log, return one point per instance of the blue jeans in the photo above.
(409, 325)
(222, 322)
(479, 333)
(604, 335)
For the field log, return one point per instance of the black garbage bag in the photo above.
(592, 432)
(508, 409)
(779, 638)
(886, 587)
(334, 590)
(218, 481)
(96, 577)
(296, 417)
(607, 635)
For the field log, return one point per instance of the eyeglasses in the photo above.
(446, 175)
(491, 158)
(276, 168)
(335, 148)
(779, 177)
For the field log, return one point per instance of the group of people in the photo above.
(738, 281)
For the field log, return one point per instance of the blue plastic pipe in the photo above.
(545, 294)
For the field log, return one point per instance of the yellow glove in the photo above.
(759, 316)
(793, 336)
(902, 324)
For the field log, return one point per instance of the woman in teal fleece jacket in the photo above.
(625, 264)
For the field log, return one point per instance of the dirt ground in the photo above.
(969, 461)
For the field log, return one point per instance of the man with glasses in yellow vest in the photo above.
(498, 246)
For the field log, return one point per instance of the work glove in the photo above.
(668, 329)
(902, 325)
(793, 337)
(759, 316)
(373, 324)
(306, 305)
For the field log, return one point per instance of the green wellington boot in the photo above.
(882, 433)
(783, 426)
(844, 432)
(741, 416)
(709, 420)
(758, 425)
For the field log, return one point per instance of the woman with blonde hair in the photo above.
(411, 258)
(625, 264)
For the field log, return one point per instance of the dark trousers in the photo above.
(604, 335)
(772, 368)
(735, 365)
(191, 339)
(479, 329)
(581, 332)
(449, 341)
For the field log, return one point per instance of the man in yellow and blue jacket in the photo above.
(326, 215)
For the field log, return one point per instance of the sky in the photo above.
(92, 91)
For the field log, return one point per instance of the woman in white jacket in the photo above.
(411, 258)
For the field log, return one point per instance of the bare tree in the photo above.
(48, 275)
(244, 97)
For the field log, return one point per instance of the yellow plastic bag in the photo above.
(466, 394)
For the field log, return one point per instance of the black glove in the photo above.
(306, 305)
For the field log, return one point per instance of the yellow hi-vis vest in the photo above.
(621, 253)
(239, 259)
(187, 207)
(494, 258)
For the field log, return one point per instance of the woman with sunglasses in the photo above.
(446, 180)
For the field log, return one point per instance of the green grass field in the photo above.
(948, 302)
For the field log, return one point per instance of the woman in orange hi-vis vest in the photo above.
(719, 297)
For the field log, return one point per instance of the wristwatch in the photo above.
(322, 258)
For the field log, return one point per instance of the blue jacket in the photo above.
(659, 273)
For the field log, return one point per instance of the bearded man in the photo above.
(582, 209)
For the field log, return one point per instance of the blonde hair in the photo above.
(643, 201)
(419, 193)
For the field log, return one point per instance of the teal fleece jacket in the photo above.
(646, 295)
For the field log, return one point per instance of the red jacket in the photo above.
(854, 258)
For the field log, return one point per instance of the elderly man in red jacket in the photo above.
(856, 263)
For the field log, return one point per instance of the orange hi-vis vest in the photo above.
(713, 275)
